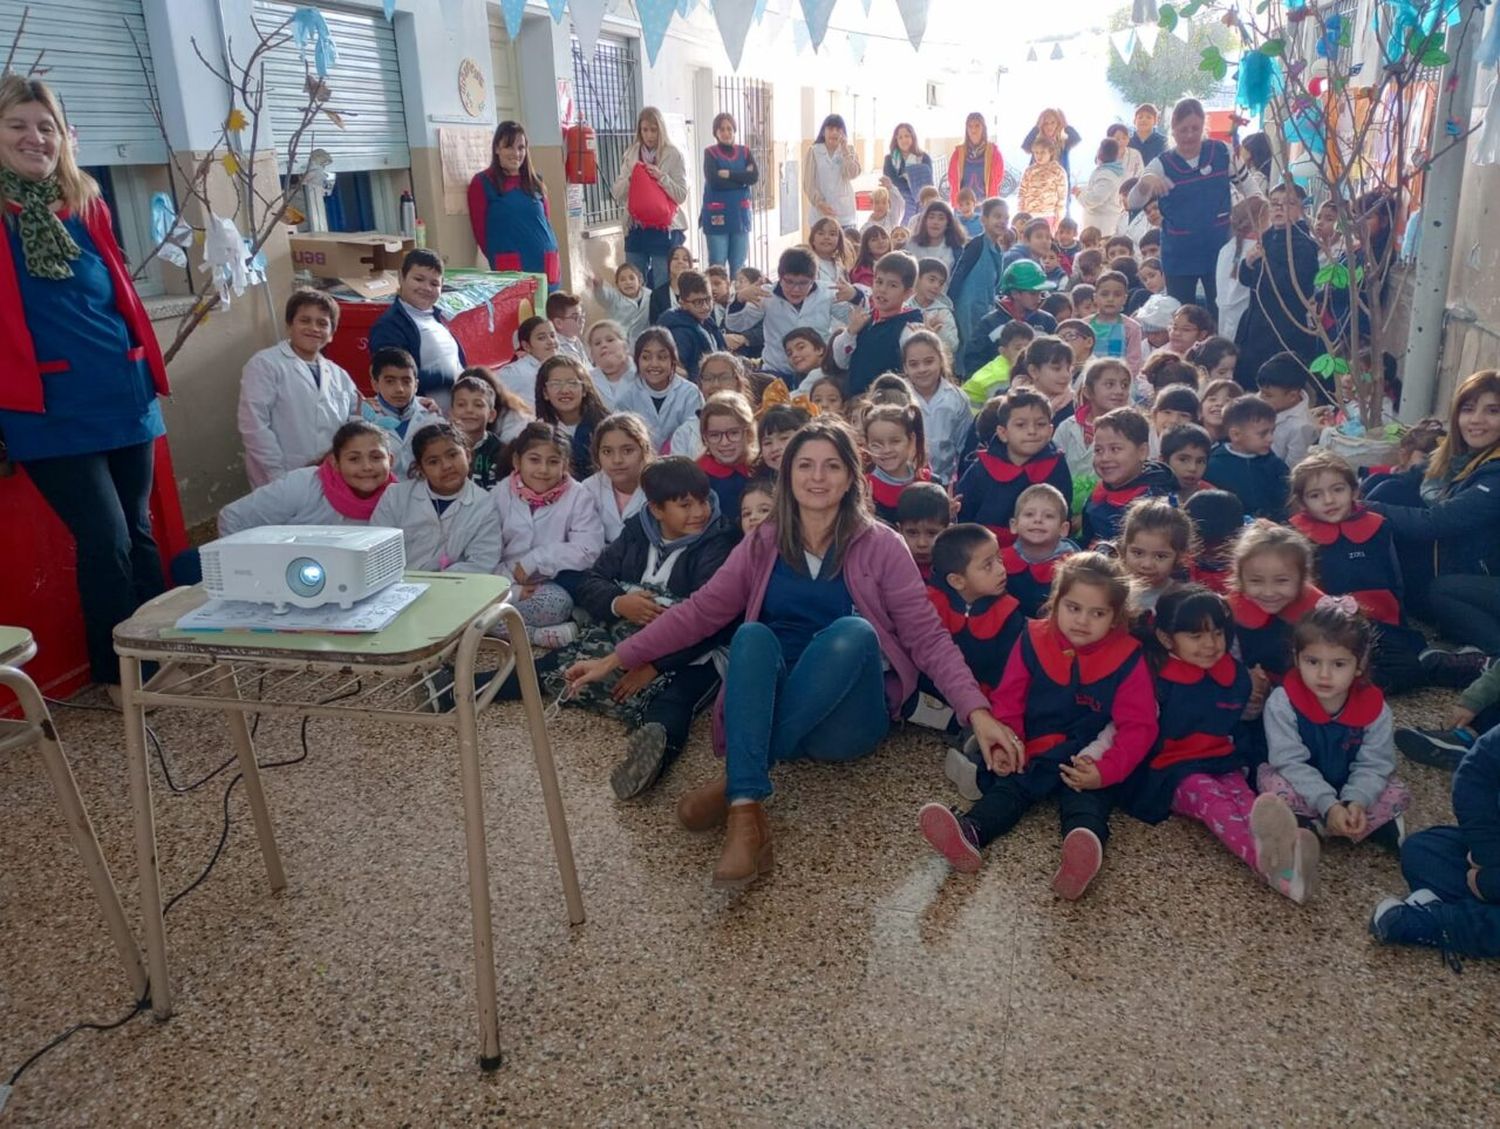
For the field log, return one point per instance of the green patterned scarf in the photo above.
(44, 240)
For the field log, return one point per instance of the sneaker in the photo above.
(1395, 922)
(1439, 748)
(551, 638)
(1274, 828)
(1422, 897)
(963, 771)
(645, 757)
(1389, 835)
(1082, 857)
(1301, 883)
(952, 836)
(1454, 669)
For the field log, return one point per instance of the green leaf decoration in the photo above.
(1166, 18)
(1434, 57)
(1273, 48)
(1359, 276)
(1340, 366)
(1191, 9)
(1322, 366)
(1346, 34)
(1214, 63)
(1340, 276)
(1324, 276)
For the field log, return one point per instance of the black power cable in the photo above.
(145, 1002)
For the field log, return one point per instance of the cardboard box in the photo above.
(347, 254)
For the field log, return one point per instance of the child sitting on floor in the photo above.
(661, 397)
(1156, 542)
(1196, 770)
(896, 444)
(665, 553)
(1105, 387)
(1242, 462)
(536, 343)
(717, 372)
(1122, 464)
(773, 431)
(449, 523)
(923, 511)
(548, 525)
(871, 343)
(1021, 454)
(1039, 526)
(1185, 448)
(1072, 674)
(1214, 398)
(1282, 383)
(1219, 519)
(946, 419)
(1331, 753)
(395, 407)
(727, 429)
(622, 449)
(757, 502)
(627, 302)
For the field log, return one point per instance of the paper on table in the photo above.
(374, 613)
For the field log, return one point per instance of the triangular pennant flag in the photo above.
(914, 16)
(390, 9)
(733, 18)
(867, 6)
(859, 43)
(685, 6)
(817, 13)
(557, 7)
(1124, 43)
(588, 18)
(512, 10)
(655, 17)
(760, 10)
(800, 38)
(1145, 37)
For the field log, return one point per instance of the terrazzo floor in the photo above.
(862, 985)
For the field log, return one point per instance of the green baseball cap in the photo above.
(1025, 275)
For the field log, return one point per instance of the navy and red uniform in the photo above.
(1265, 640)
(1199, 712)
(1357, 557)
(1213, 573)
(512, 227)
(986, 631)
(884, 495)
(1058, 699)
(728, 482)
(989, 488)
(1105, 509)
(1030, 582)
(1333, 742)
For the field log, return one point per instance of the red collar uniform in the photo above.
(1199, 711)
(884, 494)
(1357, 557)
(1105, 509)
(1030, 582)
(986, 631)
(1334, 741)
(1265, 640)
(989, 488)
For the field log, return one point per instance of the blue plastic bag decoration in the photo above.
(1257, 81)
(1489, 46)
(1328, 43)
(1402, 17)
(308, 24)
(1306, 127)
(164, 220)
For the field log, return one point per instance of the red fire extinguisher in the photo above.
(580, 163)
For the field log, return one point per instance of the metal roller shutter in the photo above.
(366, 86)
(92, 64)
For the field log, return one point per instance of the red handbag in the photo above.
(648, 202)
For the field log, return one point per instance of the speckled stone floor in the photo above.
(864, 985)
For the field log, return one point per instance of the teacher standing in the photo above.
(651, 237)
(508, 209)
(976, 164)
(907, 170)
(837, 627)
(828, 172)
(1190, 183)
(82, 369)
(729, 173)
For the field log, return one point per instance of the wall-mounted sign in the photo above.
(472, 91)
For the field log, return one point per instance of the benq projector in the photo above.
(304, 565)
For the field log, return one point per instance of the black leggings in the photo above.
(1466, 609)
(104, 498)
(1184, 287)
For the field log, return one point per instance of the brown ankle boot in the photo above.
(703, 808)
(747, 848)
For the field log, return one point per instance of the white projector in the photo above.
(304, 565)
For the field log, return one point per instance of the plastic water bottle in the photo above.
(421, 233)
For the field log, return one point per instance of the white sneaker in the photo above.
(964, 773)
(554, 637)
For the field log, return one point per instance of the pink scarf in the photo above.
(532, 498)
(341, 495)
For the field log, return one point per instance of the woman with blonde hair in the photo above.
(977, 163)
(83, 371)
(647, 243)
(1052, 125)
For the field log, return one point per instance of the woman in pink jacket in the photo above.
(831, 598)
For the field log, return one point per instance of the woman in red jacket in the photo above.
(975, 164)
(830, 599)
(82, 371)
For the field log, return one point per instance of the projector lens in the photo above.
(305, 577)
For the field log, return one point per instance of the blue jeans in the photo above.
(829, 707)
(1437, 859)
(653, 267)
(728, 247)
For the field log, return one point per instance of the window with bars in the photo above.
(604, 92)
